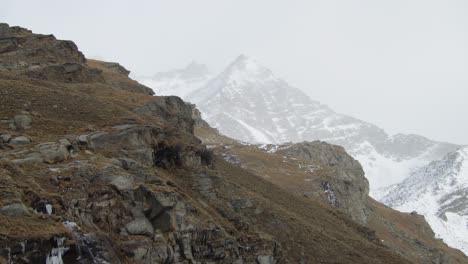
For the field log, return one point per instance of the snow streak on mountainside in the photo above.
(439, 191)
(249, 103)
(178, 82)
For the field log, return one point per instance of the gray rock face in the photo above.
(147, 145)
(129, 138)
(117, 177)
(48, 152)
(165, 107)
(345, 186)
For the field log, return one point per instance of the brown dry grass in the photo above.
(406, 231)
(66, 108)
(305, 227)
(31, 227)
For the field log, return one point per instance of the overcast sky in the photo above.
(400, 64)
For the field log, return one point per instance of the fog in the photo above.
(400, 64)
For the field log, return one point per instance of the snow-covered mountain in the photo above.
(178, 82)
(439, 191)
(249, 103)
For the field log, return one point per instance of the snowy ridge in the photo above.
(439, 191)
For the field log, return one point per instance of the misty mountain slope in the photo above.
(178, 82)
(249, 103)
(111, 174)
(439, 191)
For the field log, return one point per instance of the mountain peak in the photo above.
(245, 69)
(246, 62)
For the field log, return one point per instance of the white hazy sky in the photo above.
(401, 64)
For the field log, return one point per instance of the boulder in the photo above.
(266, 259)
(21, 140)
(22, 122)
(52, 152)
(5, 138)
(14, 209)
(140, 226)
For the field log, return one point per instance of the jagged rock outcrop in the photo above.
(343, 182)
(164, 107)
(21, 49)
(46, 58)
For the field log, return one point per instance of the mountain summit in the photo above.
(248, 102)
(245, 69)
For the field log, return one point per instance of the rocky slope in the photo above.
(249, 103)
(93, 169)
(325, 173)
(439, 191)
